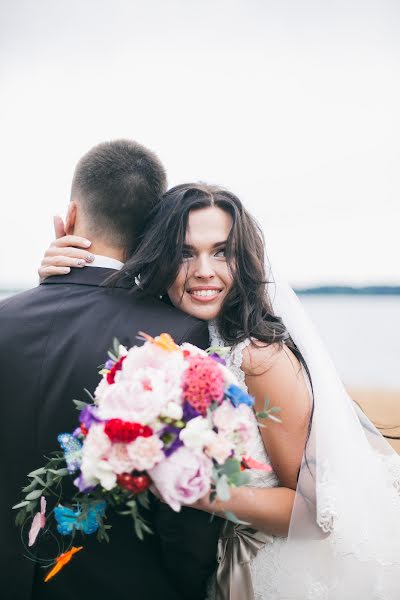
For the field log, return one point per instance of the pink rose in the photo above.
(145, 452)
(224, 416)
(219, 448)
(183, 478)
(119, 459)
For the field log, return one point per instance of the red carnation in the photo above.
(115, 368)
(124, 431)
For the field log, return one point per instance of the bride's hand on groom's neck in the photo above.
(64, 252)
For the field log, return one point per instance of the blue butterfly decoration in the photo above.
(69, 519)
(72, 451)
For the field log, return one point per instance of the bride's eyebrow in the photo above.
(216, 245)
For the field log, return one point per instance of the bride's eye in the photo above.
(186, 253)
(221, 253)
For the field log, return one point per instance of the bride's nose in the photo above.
(203, 268)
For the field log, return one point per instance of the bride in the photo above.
(324, 523)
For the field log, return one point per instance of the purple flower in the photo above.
(177, 443)
(170, 437)
(217, 358)
(109, 364)
(237, 396)
(79, 482)
(189, 412)
(88, 416)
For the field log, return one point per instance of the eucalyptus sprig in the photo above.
(269, 413)
(45, 481)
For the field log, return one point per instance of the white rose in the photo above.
(173, 411)
(197, 433)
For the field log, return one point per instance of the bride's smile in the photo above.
(204, 278)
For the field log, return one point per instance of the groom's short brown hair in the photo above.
(118, 183)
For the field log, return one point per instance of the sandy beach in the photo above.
(383, 408)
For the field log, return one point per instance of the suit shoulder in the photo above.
(18, 300)
(168, 319)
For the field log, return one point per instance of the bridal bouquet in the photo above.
(167, 416)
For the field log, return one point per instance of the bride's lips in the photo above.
(204, 294)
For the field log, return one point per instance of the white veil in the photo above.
(344, 538)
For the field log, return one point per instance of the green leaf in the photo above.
(32, 506)
(222, 351)
(146, 528)
(40, 471)
(59, 472)
(106, 537)
(262, 415)
(222, 488)
(89, 394)
(239, 479)
(80, 405)
(143, 500)
(30, 487)
(34, 495)
(40, 480)
(138, 529)
(232, 517)
(116, 345)
(20, 518)
(266, 403)
(112, 356)
(231, 465)
(21, 504)
(275, 409)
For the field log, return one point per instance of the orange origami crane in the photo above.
(164, 341)
(61, 561)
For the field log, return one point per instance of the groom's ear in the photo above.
(70, 218)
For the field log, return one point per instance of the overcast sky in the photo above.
(292, 104)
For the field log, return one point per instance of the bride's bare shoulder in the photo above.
(259, 358)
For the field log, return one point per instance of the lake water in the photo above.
(362, 334)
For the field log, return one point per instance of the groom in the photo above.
(52, 339)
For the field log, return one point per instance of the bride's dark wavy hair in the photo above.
(247, 309)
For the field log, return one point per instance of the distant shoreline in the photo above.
(347, 290)
(323, 290)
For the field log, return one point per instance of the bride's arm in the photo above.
(64, 252)
(273, 373)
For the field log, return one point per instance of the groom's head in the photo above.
(115, 186)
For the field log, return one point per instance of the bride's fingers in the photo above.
(71, 240)
(67, 251)
(61, 260)
(48, 271)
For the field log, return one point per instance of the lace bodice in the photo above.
(256, 447)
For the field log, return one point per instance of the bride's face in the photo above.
(204, 278)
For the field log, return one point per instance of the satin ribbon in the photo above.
(237, 546)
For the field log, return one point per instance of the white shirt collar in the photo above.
(105, 261)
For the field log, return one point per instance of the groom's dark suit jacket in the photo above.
(52, 340)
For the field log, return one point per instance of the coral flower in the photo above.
(203, 383)
(164, 341)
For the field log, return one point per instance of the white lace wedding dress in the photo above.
(264, 566)
(359, 557)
